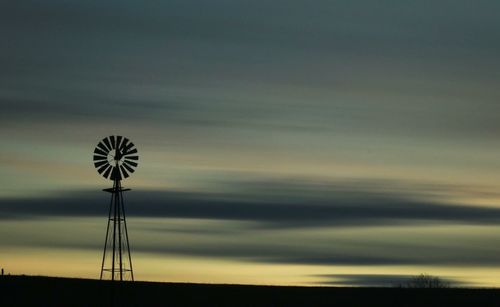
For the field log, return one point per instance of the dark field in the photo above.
(50, 291)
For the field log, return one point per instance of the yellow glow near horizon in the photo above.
(21, 256)
(171, 268)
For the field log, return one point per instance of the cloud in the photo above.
(281, 205)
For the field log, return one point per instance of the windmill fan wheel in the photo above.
(115, 157)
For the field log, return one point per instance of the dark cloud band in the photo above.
(341, 209)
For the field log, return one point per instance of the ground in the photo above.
(51, 291)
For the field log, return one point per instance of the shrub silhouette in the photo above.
(425, 281)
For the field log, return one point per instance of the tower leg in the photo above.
(106, 239)
(114, 236)
(128, 245)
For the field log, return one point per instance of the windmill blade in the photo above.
(112, 175)
(118, 142)
(115, 174)
(131, 170)
(133, 151)
(100, 152)
(124, 143)
(102, 168)
(118, 175)
(129, 146)
(130, 163)
(100, 163)
(113, 143)
(102, 147)
(124, 172)
(98, 158)
(132, 157)
(106, 173)
(107, 143)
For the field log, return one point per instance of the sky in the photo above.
(344, 143)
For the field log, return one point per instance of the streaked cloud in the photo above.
(269, 204)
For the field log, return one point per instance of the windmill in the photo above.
(115, 158)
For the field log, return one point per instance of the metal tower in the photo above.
(115, 158)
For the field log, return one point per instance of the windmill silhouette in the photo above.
(115, 157)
